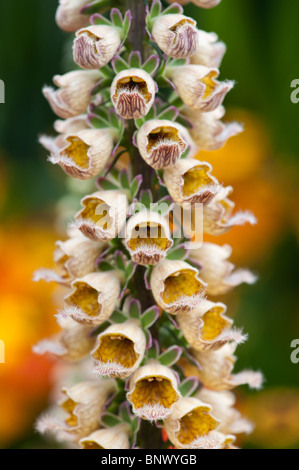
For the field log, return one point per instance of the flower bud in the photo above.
(148, 237)
(206, 328)
(120, 349)
(85, 153)
(68, 15)
(95, 46)
(103, 215)
(208, 131)
(198, 87)
(210, 51)
(190, 420)
(108, 438)
(206, 3)
(161, 142)
(176, 286)
(190, 182)
(216, 271)
(133, 93)
(153, 390)
(176, 35)
(74, 93)
(93, 298)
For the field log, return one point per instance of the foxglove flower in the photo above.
(161, 143)
(176, 35)
(206, 3)
(69, 16)
(95, 45)
(153, 391)
(148, 237)
(133, 93)
(176, 286)
(93, 298)
(116, 437)
(120, 349)
(190, 182)
(74, 92)
(210, 51)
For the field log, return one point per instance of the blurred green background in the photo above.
(263, 42)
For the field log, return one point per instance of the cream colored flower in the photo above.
(103, 215)
(190, 420)
(85, 153)
(161, 143)
(198, 88)
(147, 237)
(68, 15)
(208, 131)
(73, 343)
(176, 286)
(176, 35)
(216, 271)
(218, 216)
(222, 403)
(74, 92)
(133, 93)
(206, 328)
(206, 3)
(93, 298)
(153, 391)
(95, 45)
(210, 51)
(120, 349)
(116, 437)
(190, 182)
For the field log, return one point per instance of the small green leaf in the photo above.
(116, 18)
(130, 269)
(155, 9)
(135, 309)
(135, 60)
(98, 123)
(120, 64)
(105, 266)
(110, 420)
(124, 180)
(178, 253)
(113, 119)
(135, 425)
(135, 185)
(188, 386)
(149, 317)
(146, 198)
(172, 10)
(169, 114)
(101, 20)
(151, 65)
(170, 356)
(118, 317)
(106, 185)
(120, 261)
(125, 413)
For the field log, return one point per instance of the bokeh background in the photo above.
(261, 164)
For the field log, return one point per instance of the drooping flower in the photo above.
(153, 391)
(133, 93)
(147, 237)
(120, 349)
(116, 437)
(206, 3)
(176, 286)
(69, 16)
(209, 51)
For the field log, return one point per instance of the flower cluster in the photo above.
(148, 344)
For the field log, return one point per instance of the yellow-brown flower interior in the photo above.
(76, 152)
(184, 22)
(133, 83)
(210, 83)
(118, 349)
(93, 38)
(89, 444)
(182, 283)
(150, 235)
(195, 424)
(97, 211)
(195, 179)
(86, 298)
(214, 324)
(164, 133)
(69, 406)
(228, 206)
(60, 267)
(154, 390)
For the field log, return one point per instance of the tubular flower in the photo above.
(93, 298)
(153, 391)
(161, 143)
(218, 216)
(206, 328)
(120, 349)
(190, 420)
(210, 51)
(148, 237)
(95, 45)
(216, 370)
(85, 153)
(68, 15)
(176, 35)
(190, 182)
(103, 215)
(73, 343)
(222, 403)
(116, 437)
(208, 131)
(74, 92)
(176, 286)
(206, 3)
(198, 87)
(216, 271)
(133, 93)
